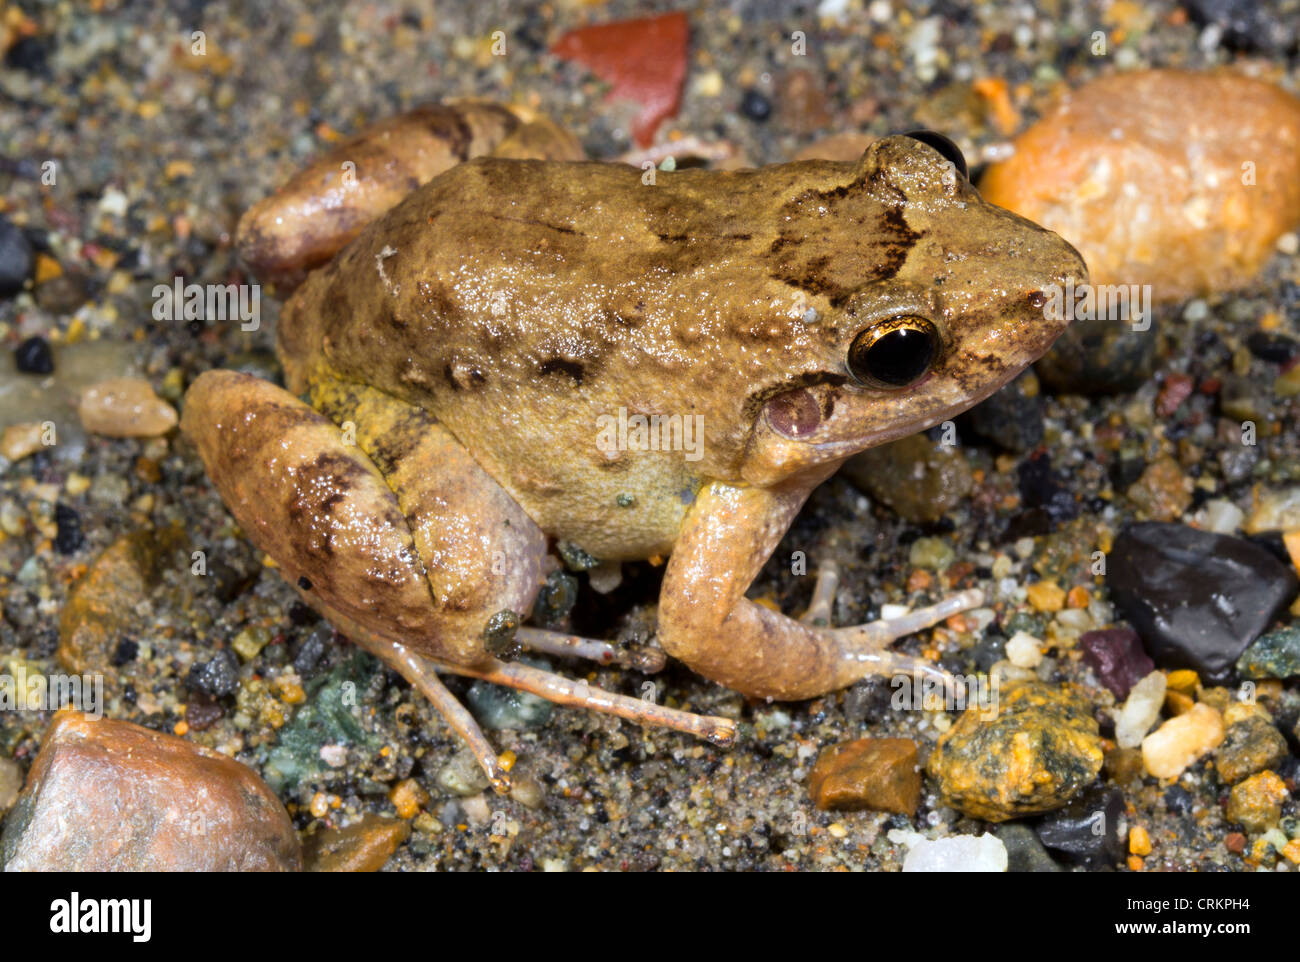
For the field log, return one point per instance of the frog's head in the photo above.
(938, 301)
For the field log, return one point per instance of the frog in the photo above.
(530, 354)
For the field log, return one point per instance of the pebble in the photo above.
(956, 853)
(125, 407)
(462, 775)
(1012, 417)
(33, 356)
(1274, 509)
(880, 774)
(1171, 748)
(1046, 596)
(1024, 650)
(1025, 853)
(1040, 748)
(1140, 711)
(1098, 356)
(644, 61)
(497, 707)
(919, 479)
(1196, 598)
(110, 796)
(1178, 214)
(16, 258)
(101, 605)
(1117, 658)
(1250, 745)
(361, 847)
(1090, 829)
(11, 783)
(1275, 654)
(1163, 492)
(1256, 802)
(218, 676)
(19, 441)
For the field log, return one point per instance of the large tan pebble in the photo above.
(125, 407)
(1177, 743)
(1143, 173)
(109, 796)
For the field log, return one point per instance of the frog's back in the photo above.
(523, 301)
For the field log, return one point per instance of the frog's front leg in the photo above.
(705, 620)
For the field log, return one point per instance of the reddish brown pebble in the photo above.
(363, 847)
(875, 773)
(1235, 842)
(109, 796)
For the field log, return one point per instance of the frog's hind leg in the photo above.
(392, 531)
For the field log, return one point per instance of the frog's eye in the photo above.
(946, 148)
(895, 353)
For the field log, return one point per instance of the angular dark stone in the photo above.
(68, 539)
(1196, 598)
(33, 356)
(1116, 655)
(1041, 487)
(1013, 417)
(16, 258)
(1088, 829)
(1025, 853)
(218, 676)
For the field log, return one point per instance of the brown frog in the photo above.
(635, 364)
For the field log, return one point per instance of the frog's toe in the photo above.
(876, 635)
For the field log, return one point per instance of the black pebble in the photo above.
(33, 356)
(1041, 487)
(218, 676)
(69, 538)
(1178, 800)
(16, 258)
(304, 583)
(1196, 598)
(125, 652)
(301, 614)
(28, 54)
(1087, 829)
(1274, 348)
(755, 106)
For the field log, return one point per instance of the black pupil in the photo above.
(900, 357)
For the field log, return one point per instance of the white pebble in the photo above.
(1220, 516)
(889, 612)
(957, 853)
(1024, 650)
(1140, 711)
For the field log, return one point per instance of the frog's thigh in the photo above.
(705, 620)
(482, 552)
(323, 510)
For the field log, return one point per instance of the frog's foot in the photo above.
(869, 643)
(641, 658)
